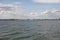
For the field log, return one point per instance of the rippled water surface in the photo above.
(30, 30)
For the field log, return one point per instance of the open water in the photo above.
(30, 30)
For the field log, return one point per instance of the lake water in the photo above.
(30, 30)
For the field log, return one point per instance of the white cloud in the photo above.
(53, 13)
(16, 3)
(46, 1)
(47, 14)
(10, 11)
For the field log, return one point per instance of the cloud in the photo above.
(46, 1)
(46, 14)
(10, 11)
(53, 13)
(16, 3)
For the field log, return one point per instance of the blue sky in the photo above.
(30, 5)
(34, 5)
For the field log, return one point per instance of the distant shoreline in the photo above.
(25, 19)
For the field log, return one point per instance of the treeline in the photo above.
(8, 19)
(25, 19)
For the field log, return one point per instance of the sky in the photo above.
(29, 9)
